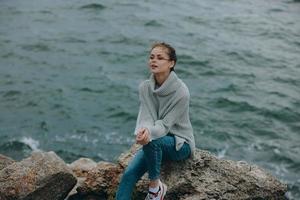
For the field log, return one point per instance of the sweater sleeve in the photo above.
(162, 126)
(144, 119)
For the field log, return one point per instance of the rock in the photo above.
(5, 161)
(42, 176)
(80, 168)
(202, 178)
(124, 158)
(101, 180)
(207, 177)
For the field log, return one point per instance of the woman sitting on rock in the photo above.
(163, 125)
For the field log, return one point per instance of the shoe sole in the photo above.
(164, 191)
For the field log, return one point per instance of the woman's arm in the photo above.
(162, 126)
(147, 117)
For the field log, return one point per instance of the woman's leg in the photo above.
(163, 149)
(170, 152)
(134, 171)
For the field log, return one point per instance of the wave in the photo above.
(231, 20)
(194, 62)
(114, 138)
(187, 59)
(191, 66)
(44, 126)
(69, 156)
(8, 55)
(279, 94)
(293, 192)
(229, 88)
(248, 57)
(233, 106)
(284, 114)
(46, 12)
(184, 73)
(86, 89)
(195, 20)
(93, 6)
(290, 81)
(121, 39)
(14, 145)
(125, 116)
(297, 43)
(222, 152)
(19, 149)
(11, 93)
(38, 47)
(153, 23)
(73, 40)
(276, 10)
(32, 143)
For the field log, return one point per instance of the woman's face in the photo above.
(159, 61)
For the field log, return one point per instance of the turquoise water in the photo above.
(69, 74)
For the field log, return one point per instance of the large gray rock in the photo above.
(42, 176)
(5, 161)
(207, 177)
(202, 178)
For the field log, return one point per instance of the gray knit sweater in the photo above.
(165, 110)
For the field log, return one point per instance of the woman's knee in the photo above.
(128, 174)
(155, 143)
(136, 167)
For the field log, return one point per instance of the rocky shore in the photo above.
(45, 176)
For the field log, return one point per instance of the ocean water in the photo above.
(70, 70)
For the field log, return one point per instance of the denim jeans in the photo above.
(149, 159)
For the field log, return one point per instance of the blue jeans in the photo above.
(149, 158)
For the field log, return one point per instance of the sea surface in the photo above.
(70, 70)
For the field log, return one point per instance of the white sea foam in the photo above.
(221, 153)
(59, 138)
(34, 144)
(277, 151)
(117, 138)
(95, 141)
(80, 137)
(280, 170)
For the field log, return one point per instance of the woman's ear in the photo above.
(172, 64)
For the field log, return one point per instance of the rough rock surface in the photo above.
(5, 161)
(42, 176)
(201, 178)
(81, 167)
(101, 181)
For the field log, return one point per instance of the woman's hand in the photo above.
(143, 136)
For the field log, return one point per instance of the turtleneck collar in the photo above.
(169, 86)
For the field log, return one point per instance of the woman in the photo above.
(163, 125)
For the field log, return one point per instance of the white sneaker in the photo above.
(158, 195)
